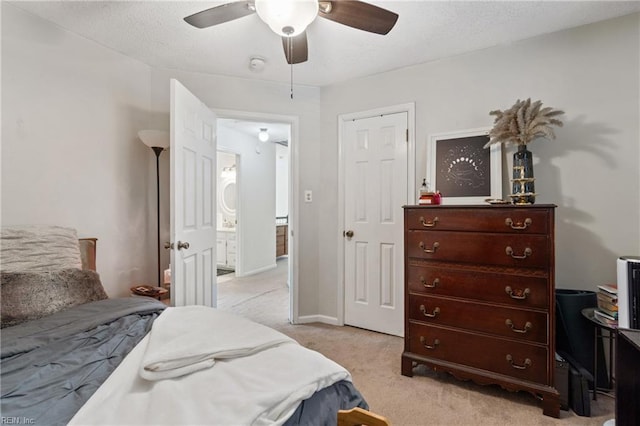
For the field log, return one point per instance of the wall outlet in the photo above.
(308, 196)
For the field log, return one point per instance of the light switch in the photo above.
(308, 196)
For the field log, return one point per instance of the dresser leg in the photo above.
(407, 366)
(551, 405)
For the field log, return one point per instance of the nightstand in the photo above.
(148, 291)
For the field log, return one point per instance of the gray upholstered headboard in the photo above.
(88, 253)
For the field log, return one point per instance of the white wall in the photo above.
(590, 171)
(257, 205)
(71, 110)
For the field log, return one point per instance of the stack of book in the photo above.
(426, 196)
(607, 310)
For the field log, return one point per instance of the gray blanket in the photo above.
(51, 366)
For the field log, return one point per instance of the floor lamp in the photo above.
(158, 141)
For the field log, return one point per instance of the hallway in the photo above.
(263, 297)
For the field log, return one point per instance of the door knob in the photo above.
(168, 245)
(348, 234)
(182, 245)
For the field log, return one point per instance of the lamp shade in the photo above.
(154, 138)
(287, 18)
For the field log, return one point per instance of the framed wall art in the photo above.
(461, 168)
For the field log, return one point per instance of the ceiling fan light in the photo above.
(263, 135)
(287, 18)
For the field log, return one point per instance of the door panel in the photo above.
(361, 267)
(193, 231)
(375, 191)
(387, 275)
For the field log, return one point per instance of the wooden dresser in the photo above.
(480, 295)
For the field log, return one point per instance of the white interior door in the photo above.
(375, 180)
(193, 198)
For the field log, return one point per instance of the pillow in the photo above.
(26, 296)
(33, 248)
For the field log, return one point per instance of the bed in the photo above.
(70, 355)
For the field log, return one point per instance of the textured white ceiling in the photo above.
(155, 33)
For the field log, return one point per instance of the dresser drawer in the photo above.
(526, 251)
(516, 290)
(514, 323)
(511, 220)
(515, 359)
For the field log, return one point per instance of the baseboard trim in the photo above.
(258, 271)
(306, 319)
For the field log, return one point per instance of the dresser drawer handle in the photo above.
(527, 252)
(527, 363)
(435, 313)
(523, 225)
(432, 285)
(429, 224)
(517, 296)
(431, 250)
(527, 326)
(435, 343)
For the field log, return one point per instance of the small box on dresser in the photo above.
(479, 295)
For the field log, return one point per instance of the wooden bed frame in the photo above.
(358, 416)
(88, 252)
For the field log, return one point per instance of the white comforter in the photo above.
(209, 367)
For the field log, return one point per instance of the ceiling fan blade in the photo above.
(220, 14)
(360, 15)
(295, 48)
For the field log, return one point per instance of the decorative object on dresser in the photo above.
(479, 295)
(519, 125)
(461, 170)
(158, 141)
(427, 197)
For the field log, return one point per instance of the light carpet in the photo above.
(373, 359)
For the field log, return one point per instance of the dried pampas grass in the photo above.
(523, 122)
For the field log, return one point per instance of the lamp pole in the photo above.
(158, 141)
(158, 150)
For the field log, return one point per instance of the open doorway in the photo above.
(258, 279)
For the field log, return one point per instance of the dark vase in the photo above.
(523, 189)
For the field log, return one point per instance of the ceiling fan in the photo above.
(290, 18)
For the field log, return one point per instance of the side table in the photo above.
(598, 335)
(149, 291)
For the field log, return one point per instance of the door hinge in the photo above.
(406, 134)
